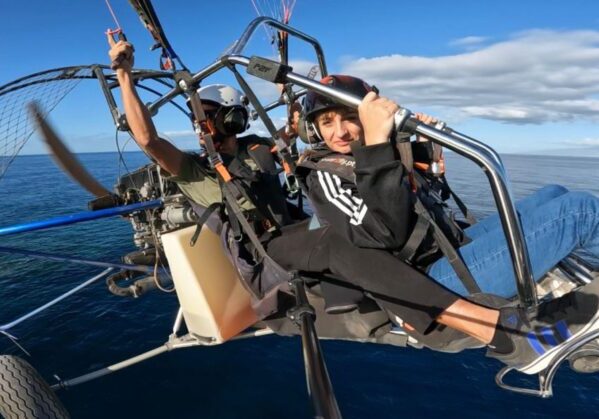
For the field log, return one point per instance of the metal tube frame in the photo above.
(546, 376)
(239, 45)
(79, 217)
(81, 261)
(237, 49)
(174, 342)
(512, 228)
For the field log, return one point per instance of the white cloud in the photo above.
(584, 142)
(534, 77)
(468, 41)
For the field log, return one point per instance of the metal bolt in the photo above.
(183, 84)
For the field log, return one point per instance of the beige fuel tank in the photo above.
(215, 304)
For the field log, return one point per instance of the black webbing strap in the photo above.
(282, 148)
(233, 222)
(471, 219)
(236, 211)
(424, 221)
(263, 158)
(452, 255)
(203, 218)
(419, 233)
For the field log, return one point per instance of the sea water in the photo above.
(256, 378)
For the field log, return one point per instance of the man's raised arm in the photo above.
(139, 119)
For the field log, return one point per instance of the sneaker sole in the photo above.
(544, 360)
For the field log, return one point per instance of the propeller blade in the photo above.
(63, 156)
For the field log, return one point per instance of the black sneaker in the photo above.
(538, 338)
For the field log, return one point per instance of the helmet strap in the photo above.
(315, 133)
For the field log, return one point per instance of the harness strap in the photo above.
(405, 154)
(215, 159)
(236, 211)
(261, 154)
(452, 255)
(404, 147)
(437, 167)
(234, 223)
(281, 148)
(471, 219)
(437, 152)
(202, 220)
(419, 233)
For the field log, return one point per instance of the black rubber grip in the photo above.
(410, 125)
(269, 70)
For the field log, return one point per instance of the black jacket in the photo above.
(374, 211)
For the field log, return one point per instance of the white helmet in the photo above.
(232, 116)
(222, 95)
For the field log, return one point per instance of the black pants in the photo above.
(396, 286)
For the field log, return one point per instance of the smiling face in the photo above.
(338, 128)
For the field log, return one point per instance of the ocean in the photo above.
(258, 378)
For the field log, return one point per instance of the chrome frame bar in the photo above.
(173, 342)
(10, 325)
(237, 49)
(512, 227)
(548, 374)
(574, 271)
(239, 45)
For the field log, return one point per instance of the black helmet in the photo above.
(315, 102)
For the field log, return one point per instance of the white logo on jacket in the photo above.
(342, 198)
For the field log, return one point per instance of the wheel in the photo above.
(24, 394)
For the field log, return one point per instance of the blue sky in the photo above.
(521, 76)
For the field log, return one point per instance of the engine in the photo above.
(146, 184)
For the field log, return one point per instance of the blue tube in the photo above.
(64, 220)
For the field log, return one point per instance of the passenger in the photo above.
(396, 286)
(376, 211)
